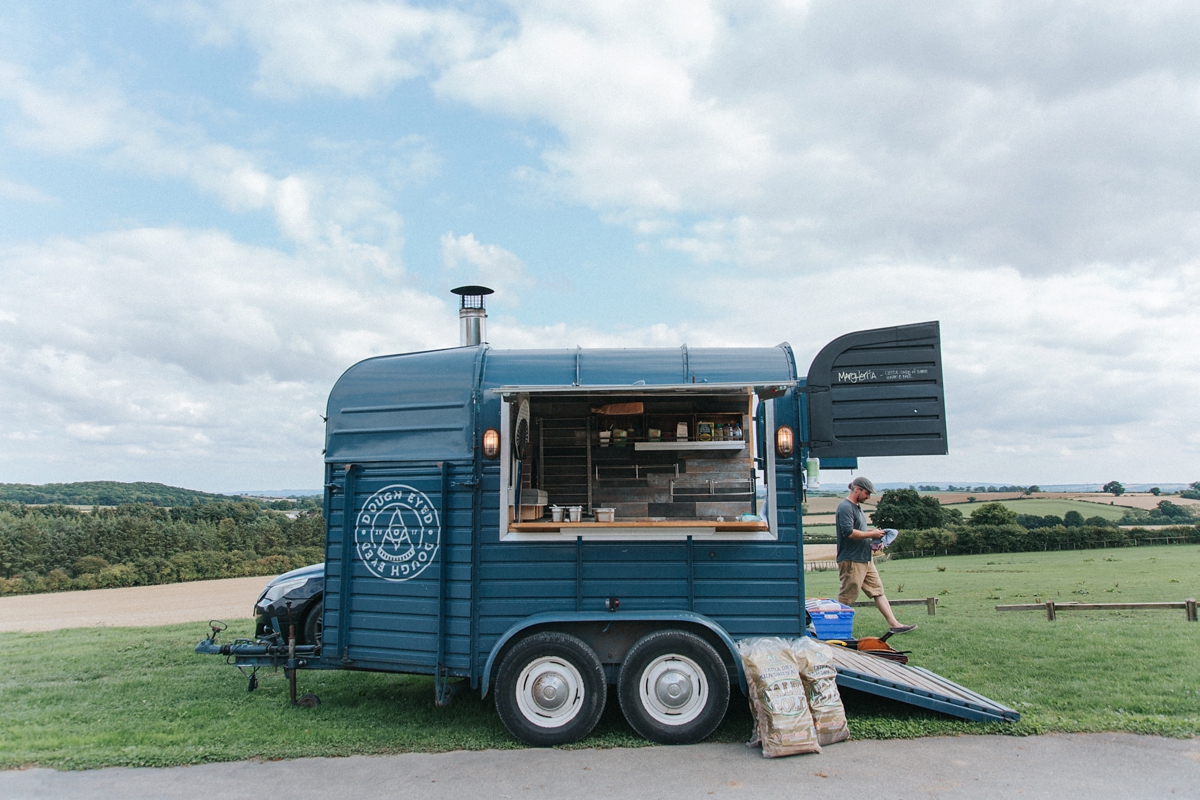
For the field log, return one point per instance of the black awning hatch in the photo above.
(878, 393)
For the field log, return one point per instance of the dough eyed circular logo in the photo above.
(397, 533)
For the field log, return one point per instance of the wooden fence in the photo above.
(930, 603)
(1052, 608)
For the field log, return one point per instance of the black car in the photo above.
(304, 591)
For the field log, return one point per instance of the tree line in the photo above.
(115, 493)
(55, 548)
(925, 524)
(105, 493)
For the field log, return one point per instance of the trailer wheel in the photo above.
(550, 689)
(673, 687)
(314, 623)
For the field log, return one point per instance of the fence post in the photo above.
(931, 606)
(1191, 609)
(1050, 610)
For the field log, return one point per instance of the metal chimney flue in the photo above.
(471, 314)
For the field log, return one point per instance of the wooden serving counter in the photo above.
(559, 527)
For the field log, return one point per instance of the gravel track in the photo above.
(167, 604)
(1057, 767)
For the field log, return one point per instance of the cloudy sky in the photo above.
(208, 210)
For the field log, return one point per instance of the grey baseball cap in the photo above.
(863, 483)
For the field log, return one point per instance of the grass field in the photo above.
(817, 531)
(139, 696)
(1042, 507)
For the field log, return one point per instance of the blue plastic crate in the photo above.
(831, 620)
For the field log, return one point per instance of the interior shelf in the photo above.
(557, 527)
(727, 445)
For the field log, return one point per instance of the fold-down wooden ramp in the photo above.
(915, 686)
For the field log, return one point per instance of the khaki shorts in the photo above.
(858, 576)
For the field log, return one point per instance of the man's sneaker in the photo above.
(903, 628)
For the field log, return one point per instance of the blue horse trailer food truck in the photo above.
(555, 525)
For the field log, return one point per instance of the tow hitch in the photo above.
(253, 655)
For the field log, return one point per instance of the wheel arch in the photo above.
(572, 621)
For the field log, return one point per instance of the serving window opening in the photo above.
(640, 464)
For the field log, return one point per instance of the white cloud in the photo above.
(24, 193)
(355, 48)
(1092, 360)
(1021, 172)
(187, 344)
(1042, 137)
(803, 145)
(89, 433)
(619, 81)
(185, 356)
(55, 122)
(311, 207)
(493, 266)
(200, 301)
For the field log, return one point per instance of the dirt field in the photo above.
(822, 505)
(136, 606)
(820, 552)
(1145, 501)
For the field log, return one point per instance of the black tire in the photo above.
(314, 623)
(550, 689)
(673, 687)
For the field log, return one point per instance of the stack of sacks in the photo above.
(814, 659)
(783, 724)
(794, 698)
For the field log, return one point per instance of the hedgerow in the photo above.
(968, 539)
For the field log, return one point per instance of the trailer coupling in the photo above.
(267, 652)
(271, 654)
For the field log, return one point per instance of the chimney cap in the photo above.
(472, 291)
(471, 296)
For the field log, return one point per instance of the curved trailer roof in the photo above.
(415, 406)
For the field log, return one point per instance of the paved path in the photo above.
(1059, 767)
(138, 605)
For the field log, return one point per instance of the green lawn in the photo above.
(1042, 507)
(139, 696)
(1088, 671)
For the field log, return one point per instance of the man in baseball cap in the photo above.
(855, 568)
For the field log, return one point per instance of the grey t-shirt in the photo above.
(850, 518)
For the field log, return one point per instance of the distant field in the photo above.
(822, 505)
(1039, 506)
(811, 531)
(1142, 501)
(1043, 507)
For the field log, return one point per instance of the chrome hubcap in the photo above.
(673, 689)
(550, 692)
